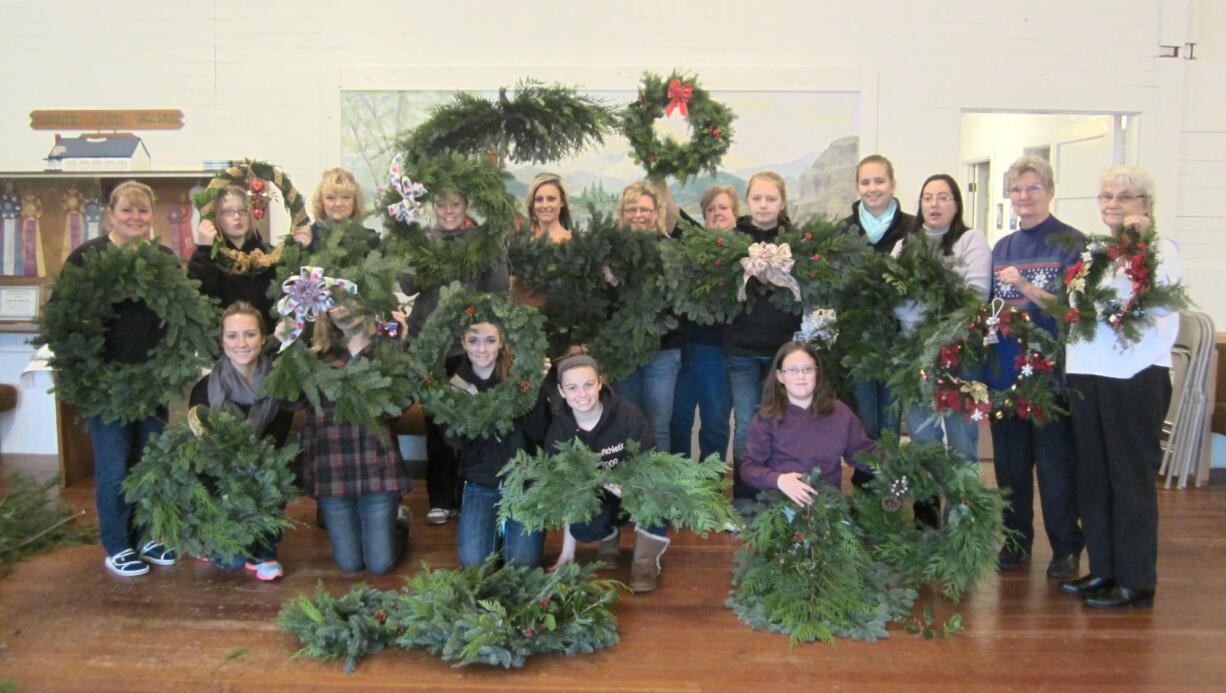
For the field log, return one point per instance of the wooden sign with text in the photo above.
(130, 119)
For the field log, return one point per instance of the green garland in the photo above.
(933, 377)
(871, 344)
(550, 490)
(621, 325)
(74, 326)
(477, 615)
(710, 126)
(702, 272)
(435, 261)
(959, 552)
(540, 124)
(1092, 299)
(822, 250)
(365, 391)
(214, 494)
(808, 573)
(253, 176)
(493, 411)
(33, 519)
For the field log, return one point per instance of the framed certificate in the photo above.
(19, 303)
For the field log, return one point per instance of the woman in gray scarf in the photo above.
(234, 386)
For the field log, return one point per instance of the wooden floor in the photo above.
(67, 624)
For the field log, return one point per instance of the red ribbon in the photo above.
(678, 96)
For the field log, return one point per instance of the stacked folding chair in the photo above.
(1187, 427)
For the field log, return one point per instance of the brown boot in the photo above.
(609, 548)
(645, 573)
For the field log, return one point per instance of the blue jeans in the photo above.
(117, 446)
(650, 388)
(702, 382)
(479, 533)
(608, 520)
(875, 405)
(364, 531)
(745, 376)
(960, 435)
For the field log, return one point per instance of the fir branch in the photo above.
(659, 486)
(33, 521)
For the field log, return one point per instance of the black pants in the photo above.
(1118, 427)
(1020, 449)
(443, 485)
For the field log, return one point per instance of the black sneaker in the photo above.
(1010, 559)
(126, 563)
(156, 553)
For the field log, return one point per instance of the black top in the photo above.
(899, 227)
(227, 288)
(278, 428)
(620, 421)
(481, 459)
(135, 329)
(763, 328)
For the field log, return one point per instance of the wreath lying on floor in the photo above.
(254, 177)
(212, 493)
(621, 325)
(483, 614)
(492, 411)
(963, 343)
(74, 326)
(710, 127)
(550, 490)
(538, 125)
(848, 569)
(432, 260)
(1092, 298)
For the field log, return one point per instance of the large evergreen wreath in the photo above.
(365, 391)
(254, 177)
(492, 411)
(621, 325)
(963, 342)
(215, 493)
(538, 125)
(1092, 298)
(552, 489)
(74, 325)
(871, 344)
(710, 127)
(483, 614)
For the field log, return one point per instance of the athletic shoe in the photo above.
(438, 516)
(156, 553)
(266, 571)
(126, 563)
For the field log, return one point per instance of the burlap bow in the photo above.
(770, 264)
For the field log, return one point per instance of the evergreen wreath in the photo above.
(538, 125)
(621, 325)
(808, 573)
(214, 493)
(701, 273)
(871, 344)
(491, 412)
(1092, 298)
(483, 614)
(710, 127)
(33, 519)
(83, 302)
(365, 391)
(955, 555)
(255, 177)
(433, 261)
(549, 490)
(821, 249)
(965, 340)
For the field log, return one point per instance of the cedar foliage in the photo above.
(32, 522)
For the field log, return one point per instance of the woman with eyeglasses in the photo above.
(966, 251)
(1117, 419)
(799, 427)
(234, 222)
(1028, 268)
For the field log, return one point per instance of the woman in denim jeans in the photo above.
(357, 476)
(487, 361)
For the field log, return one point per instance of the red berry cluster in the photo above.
(256, 190)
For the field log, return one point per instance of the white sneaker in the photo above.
(126, 563)
(438, 516)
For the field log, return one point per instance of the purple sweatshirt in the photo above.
(798, 443)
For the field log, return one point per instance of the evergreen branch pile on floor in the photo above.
(31, 524)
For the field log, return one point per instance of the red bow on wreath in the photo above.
(678, 96)
(949, 355)
(970, 406)
(1025, 409)
(946, 399)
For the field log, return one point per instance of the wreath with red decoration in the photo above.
(966, 341)
(1092, 298)
(710, 127)
(255, 177)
